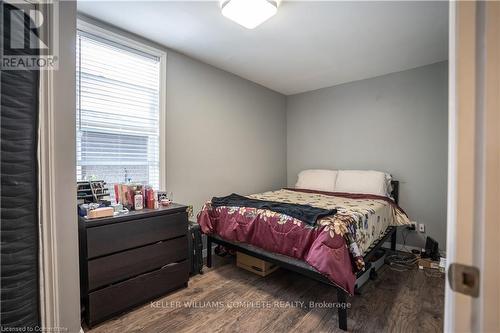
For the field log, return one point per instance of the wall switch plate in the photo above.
(421, 227)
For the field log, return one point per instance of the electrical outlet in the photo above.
(421, 227)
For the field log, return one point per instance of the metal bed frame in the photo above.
(302, 267)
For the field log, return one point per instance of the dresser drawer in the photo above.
(120, 236)
(121, 266)
(120, 297)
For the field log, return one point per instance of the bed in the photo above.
(335, 250)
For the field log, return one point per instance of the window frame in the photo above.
(119, 38)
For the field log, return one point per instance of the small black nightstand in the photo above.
(195, 248)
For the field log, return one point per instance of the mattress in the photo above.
(334, 246)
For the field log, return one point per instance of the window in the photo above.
(118, 112)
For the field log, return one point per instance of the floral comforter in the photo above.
(334, 246)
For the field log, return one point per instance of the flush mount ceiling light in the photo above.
(249, 13)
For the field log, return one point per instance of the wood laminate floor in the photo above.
(227, 299)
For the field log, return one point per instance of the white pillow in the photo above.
(319, 180)
(361, 181)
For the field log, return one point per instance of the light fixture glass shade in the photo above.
(249, 13)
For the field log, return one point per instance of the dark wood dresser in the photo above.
(130, 259)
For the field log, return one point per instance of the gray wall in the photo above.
(224, 133)
(396, 123)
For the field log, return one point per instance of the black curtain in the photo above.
(19, 187)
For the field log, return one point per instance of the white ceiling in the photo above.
(306, 46)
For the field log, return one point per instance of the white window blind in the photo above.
(117, 112)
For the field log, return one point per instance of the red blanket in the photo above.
(308, 244)
(327, 252)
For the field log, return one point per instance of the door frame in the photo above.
(473, 167)
(59, 267)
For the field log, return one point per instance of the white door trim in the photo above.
(49, 266)
(489, 307)
(474, 181)
(58, 223)
(449, 316)
(48, 258)
(462, 162)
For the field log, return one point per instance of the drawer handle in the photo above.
(170, 265)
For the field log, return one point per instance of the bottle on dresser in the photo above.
(138, 200)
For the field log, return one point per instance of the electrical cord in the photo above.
(406, 261)
(433, 273)
(402, 261)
